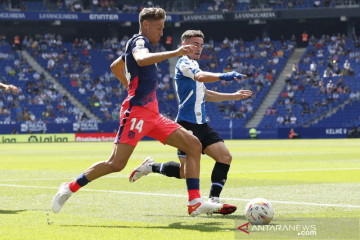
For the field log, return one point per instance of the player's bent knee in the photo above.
(116, 166)
(227, 158)
(194, 149)
(194, 146)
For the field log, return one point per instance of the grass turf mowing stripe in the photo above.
(175, 195)
(157, 175)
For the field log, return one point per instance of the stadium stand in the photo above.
(38, 101)
(324, 81)
(260, 60)
(347, 116)
(34, 6)
(135, 6)
(82, 67)
(230, 6)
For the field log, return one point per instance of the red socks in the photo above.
(194, 193)
(74, 186)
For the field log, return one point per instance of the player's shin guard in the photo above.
(170, 169)
(78, 183)
(218, 178)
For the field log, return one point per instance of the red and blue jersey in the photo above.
(142, 81)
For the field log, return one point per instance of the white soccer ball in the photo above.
(259, 211)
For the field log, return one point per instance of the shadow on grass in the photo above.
(201, 227)
(234, 217)
(214, 216)
(11, 211)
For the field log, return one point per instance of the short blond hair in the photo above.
(151, 14)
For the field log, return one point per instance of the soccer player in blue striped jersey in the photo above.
(192, 116)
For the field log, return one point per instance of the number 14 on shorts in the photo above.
(138, 125)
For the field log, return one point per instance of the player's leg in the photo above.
(124, 144)
(188, 143)
(219, 152)
(117, 161)
(169, 169)
(214, 147)
(185, 141)
(173, 134)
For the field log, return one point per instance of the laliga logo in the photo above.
(244, 225)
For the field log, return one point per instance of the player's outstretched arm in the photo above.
(144, 58)
(117, 67)
(203, 76)
(9, 87)
(212, 96)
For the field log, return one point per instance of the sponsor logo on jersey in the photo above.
(140, 43)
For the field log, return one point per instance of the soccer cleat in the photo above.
(61, 197)
(142, 170)
(226, 208)
(202, 207)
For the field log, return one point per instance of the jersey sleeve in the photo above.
(139, 43)
(188, 70)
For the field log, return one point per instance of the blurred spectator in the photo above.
(268, 111)
(329, 87)
(280, 120)
(293, 119)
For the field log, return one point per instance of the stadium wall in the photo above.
(98, 132)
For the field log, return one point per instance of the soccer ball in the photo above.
(259, 211)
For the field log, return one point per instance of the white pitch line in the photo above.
(300, 203)
(297, 170)
(184, 196)
(157, 175)
(50, 179)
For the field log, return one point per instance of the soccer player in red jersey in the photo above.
(139, 116)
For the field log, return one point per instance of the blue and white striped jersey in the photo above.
(191, 93)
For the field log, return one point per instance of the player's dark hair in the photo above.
(192, 33)
(151, 14)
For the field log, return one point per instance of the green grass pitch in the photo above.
(302, 178)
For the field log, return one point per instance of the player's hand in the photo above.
(185, 50)
(11, 88)
(242, 94)
(240, 78)
(230, 76)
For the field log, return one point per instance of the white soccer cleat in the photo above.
(142, 170)
(226, 208)
(199, 206)
(61, 197)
